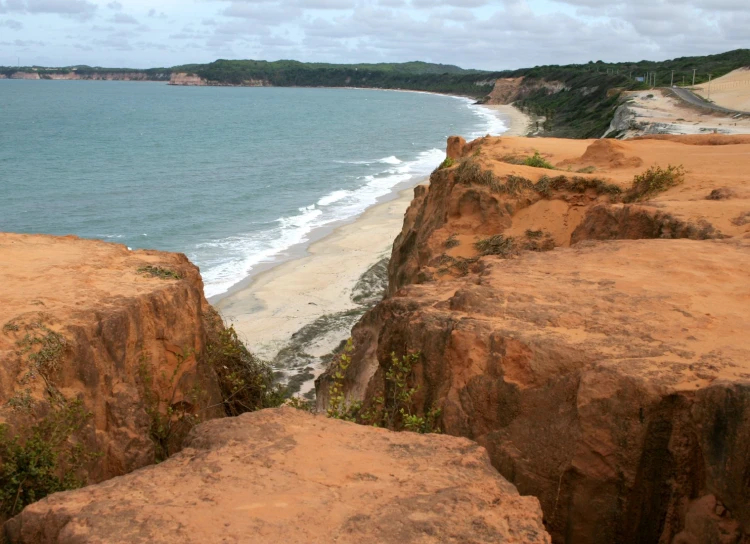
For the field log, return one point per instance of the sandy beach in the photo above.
(318, 287)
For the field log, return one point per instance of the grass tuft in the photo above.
(159, 272)
(447, 163)
(653, 181)
(452, 242)
(537, 161)
(497, 245)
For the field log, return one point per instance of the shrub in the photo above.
(452, 242)
(50, 458)
(497, 245)
(159, 272)
(468, 172)
(395, 409)
(538, 240)
(653, 181)
(169, 421)
(337, 405)
(447, 163)
(537, 161)
(247, 382)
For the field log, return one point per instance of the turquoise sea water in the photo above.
(233, 177)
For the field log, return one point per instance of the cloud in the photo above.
(489, 34)
(123, 19)
(12, 24)
(80, 9)
(157, 15)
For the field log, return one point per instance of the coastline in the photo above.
(312, 300)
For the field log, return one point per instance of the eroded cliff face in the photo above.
(193, 80)
(122, 331)
(599, 350)
(287, 476)
(508, 90)
(190, 80)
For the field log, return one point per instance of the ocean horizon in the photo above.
(236, 178)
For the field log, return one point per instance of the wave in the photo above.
(385, 160)
(227, 261)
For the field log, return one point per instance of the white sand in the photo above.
(283, 299)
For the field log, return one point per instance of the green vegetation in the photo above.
(393, 410)
(159, 272)
(497, 245)
(653, 181)
(537, 161)
(47, 459)
(247, 383)
(447, 163)
(169, 419)
(45, 454)
(452, 242)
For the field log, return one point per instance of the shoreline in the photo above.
(281, 302)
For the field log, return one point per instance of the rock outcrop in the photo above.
(611, 378)
(24, 75)
(286, 476)
(190, 80)
(508, 90)
(122, 331)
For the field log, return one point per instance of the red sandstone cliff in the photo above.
(602, 353)
(88, 320)
(287, 476)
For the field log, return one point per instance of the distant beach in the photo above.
(320, 295)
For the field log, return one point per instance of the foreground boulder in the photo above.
(283, 475)
(597, 345)
(121, 332)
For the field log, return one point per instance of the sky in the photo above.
(483, 34)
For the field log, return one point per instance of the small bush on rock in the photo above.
(45, 459)
(395, 409)
(653, 181)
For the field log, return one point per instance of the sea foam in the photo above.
(241, 254)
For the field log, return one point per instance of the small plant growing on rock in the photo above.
(247, 383)
(447, 163)
(538, 240)
(537, 161)
(742, 219)
(395, 409)
(497, 245)
(170, 421)
(452, 242)
(653, 181)
(47, 458)
(337, 405)
(159, 272)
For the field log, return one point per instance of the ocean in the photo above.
(236, 178)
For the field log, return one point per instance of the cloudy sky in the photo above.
(489, 34)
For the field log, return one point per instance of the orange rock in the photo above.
(609, 379)
(286, 476)
(456, 146)
(113, 319)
